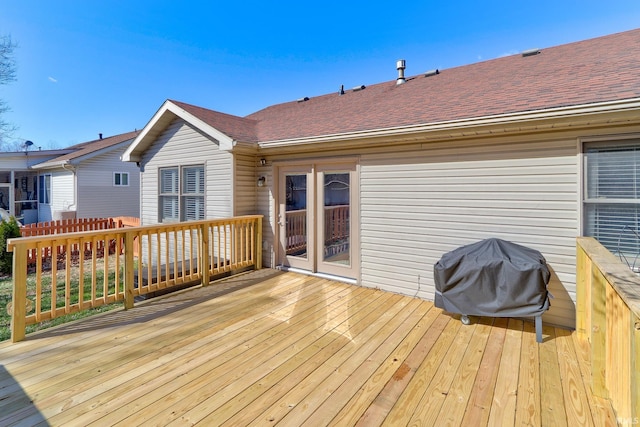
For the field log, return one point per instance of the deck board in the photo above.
(479, 402)
(503, 405)
(275, 348)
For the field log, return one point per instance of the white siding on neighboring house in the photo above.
(19, 160)
(98, 197)
(416, 206)
(179, 145)
(7, 163)
(62, 197)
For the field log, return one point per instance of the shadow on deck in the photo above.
(269, 347)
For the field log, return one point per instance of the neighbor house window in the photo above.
(44, 189)
(612, 196)
(181, 193)
(121, 179)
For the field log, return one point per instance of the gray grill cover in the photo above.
(493, 278)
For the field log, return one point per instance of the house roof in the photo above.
(591, 71)
(238, 128)
(595, 72)
(225, 129)
(86, 150)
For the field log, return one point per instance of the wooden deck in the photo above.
(273, 348)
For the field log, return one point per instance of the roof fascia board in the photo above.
(75, 161)
(37, 153)
(563, 117)
(146, 136)
(140, 143)
(226, 142)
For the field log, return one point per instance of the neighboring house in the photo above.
(86, 180)
(19, 183)
(90, 182)
(535, 148)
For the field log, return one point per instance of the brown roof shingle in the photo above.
(238, 128)
(596, 70)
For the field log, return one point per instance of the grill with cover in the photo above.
(494, 278)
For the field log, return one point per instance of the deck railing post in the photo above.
(259, 244)
(583, 290)
(128, 270)
(598, 333)
(204, 251)
(635, 365)
(19, 297)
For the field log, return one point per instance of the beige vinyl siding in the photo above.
(415, 206)
(245, 184)
(219, 171)
(267, 208)
(180, 145)
(98, 197)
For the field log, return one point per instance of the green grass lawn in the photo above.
(6, 290)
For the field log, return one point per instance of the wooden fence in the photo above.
(172, 255)
(608, 318)
(72, 226)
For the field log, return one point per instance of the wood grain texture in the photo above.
(269, 347)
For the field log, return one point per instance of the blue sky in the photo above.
(89, 67)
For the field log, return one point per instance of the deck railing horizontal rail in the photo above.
(144, 260)
(608, 317)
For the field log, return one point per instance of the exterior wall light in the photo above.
(262, 181)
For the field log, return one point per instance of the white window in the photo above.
(44, 189)
(612, 196)
(121, 179)
(181, 196)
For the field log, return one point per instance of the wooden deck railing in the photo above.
(170, 255)
(608, 317)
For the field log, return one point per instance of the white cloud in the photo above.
(52, 80)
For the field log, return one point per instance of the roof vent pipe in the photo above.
(100, 135)
(401, 65)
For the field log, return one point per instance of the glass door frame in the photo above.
(308, 262)
(315, 169)
(351, 269)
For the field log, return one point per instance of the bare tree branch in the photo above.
(7, 75)
(7, 61)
